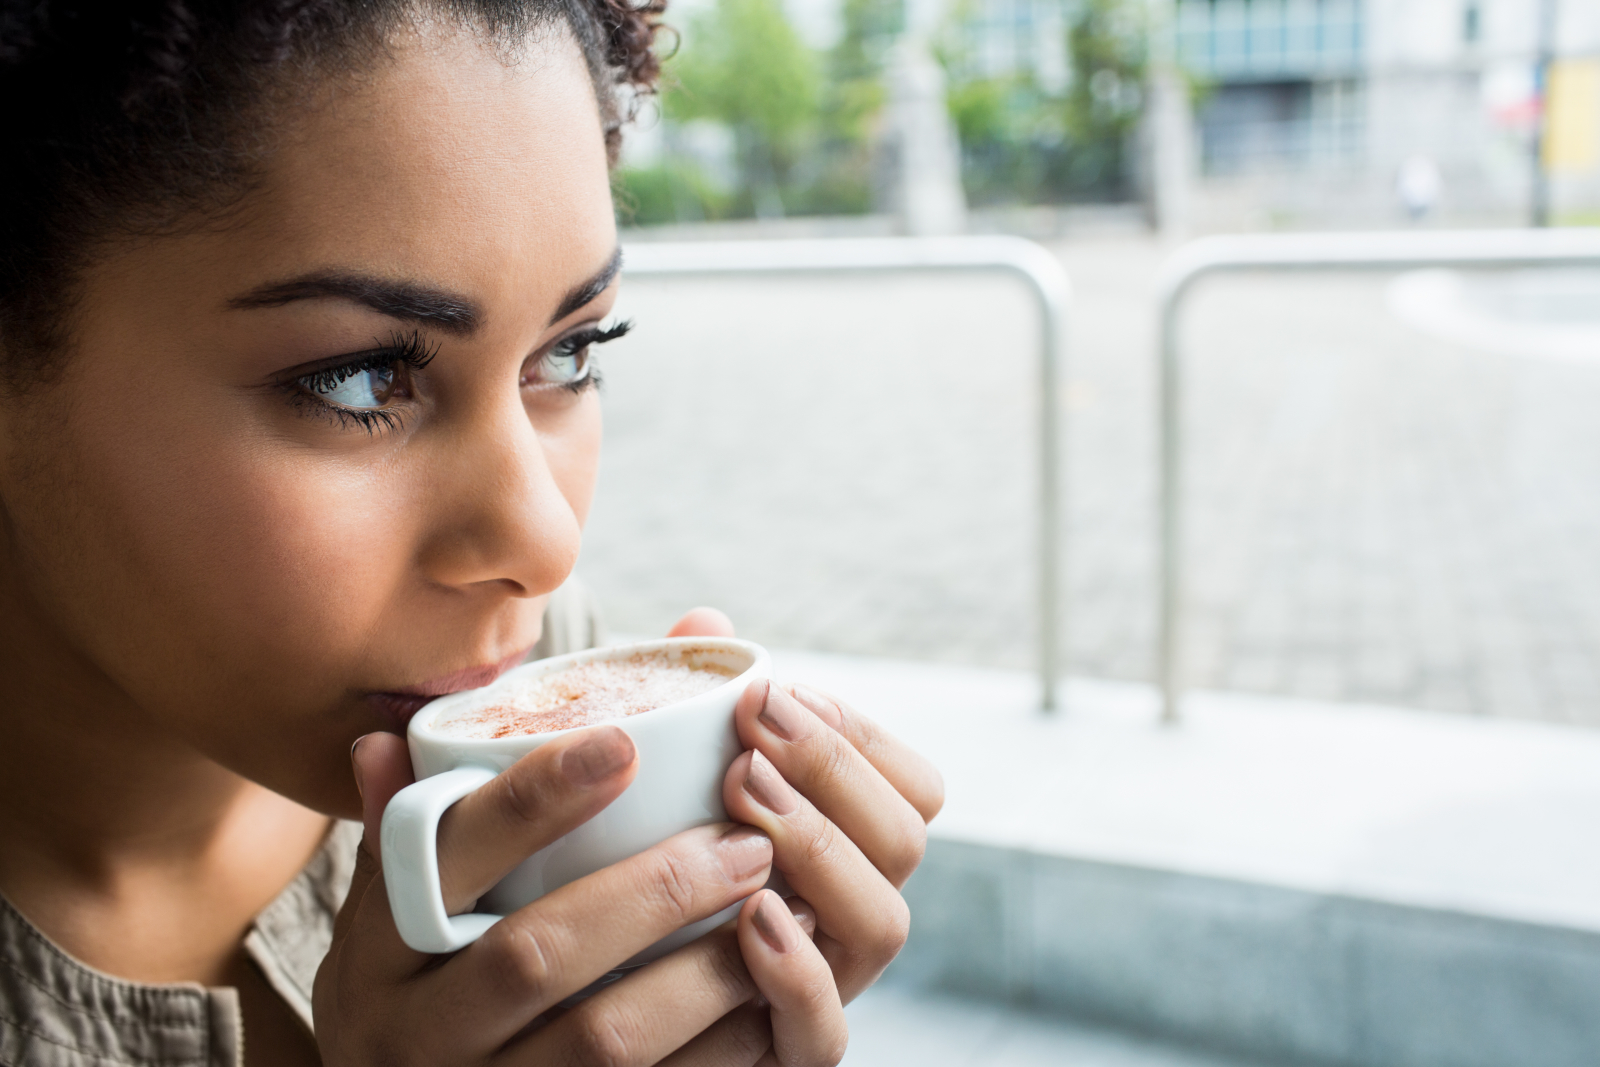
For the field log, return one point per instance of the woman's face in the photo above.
(304, 470)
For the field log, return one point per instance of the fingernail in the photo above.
(599, 754)
(745, 852)
(766, 786)
(355, 766)
(784, 716)
(820, 706)
(774, 923)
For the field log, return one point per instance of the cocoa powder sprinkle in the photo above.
(584, 695)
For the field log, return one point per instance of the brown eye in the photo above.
(364, 390)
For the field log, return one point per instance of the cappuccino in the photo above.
(583, 695)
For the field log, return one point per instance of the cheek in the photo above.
(572, 449)
(196, 565)
(289, 553)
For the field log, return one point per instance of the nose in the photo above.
(500, 517)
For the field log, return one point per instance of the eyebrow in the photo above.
(408, 300)
(599, 283)
(397, 299)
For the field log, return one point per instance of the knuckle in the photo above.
(820, 848)
(752, 1034)
(725, 966)
(600, 1037)
(673, 878)
(911, 844)
(820, 990)
(517, 959)
(744, 1035)
(872, 743)
(895, 930)
(835, 760)
(520, 800)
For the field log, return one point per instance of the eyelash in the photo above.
(573, 344)
(410, 352)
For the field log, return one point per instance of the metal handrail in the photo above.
(1013, 255)
(1348, 251)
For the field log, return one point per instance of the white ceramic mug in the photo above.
(684, 749)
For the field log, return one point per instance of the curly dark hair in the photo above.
(132, 117)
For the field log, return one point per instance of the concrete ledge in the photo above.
(1256, 969)
(1333, 884)
(892, 1026)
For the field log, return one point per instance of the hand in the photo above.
(378, 1001)
(846, 806)
(846, 836)
(807, 1023)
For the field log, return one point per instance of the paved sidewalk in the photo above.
(848, 465)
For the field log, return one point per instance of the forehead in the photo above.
(447, 162)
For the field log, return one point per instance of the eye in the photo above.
(359, 388)
(567, 364)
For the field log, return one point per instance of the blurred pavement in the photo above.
(848, 465)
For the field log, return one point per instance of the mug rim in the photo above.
(420, 728)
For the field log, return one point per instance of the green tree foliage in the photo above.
(743, 65)
(804, 123)
(855, 92)
(1106, 47)
(1023, 143)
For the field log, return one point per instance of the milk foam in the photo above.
(583, 695)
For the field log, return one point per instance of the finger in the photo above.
(364, 874)
(547, 793)
(367, 952)
(702, 622)
(804, 914)
(862, 921)
(738, 1039)
(382, 767)
(653, 1011)
(824, 766)
(536, 957)
(808, 1026)
(916, 779)
(553, 789)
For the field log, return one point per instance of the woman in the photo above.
(297, 305)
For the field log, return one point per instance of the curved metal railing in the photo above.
(1011, 255)
(1347, 252)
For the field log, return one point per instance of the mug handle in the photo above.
(410, 839)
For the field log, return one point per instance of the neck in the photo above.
(128, 847)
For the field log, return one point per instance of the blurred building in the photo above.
(1319, 110)
(1305, 112)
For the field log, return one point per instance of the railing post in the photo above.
(1170, 577)
(1401, 250)
(1013, 255)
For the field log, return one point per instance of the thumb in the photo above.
(382, 766)
(702, 622)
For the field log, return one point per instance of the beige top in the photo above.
(58, 1012)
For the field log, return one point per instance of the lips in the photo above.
(399, 705)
